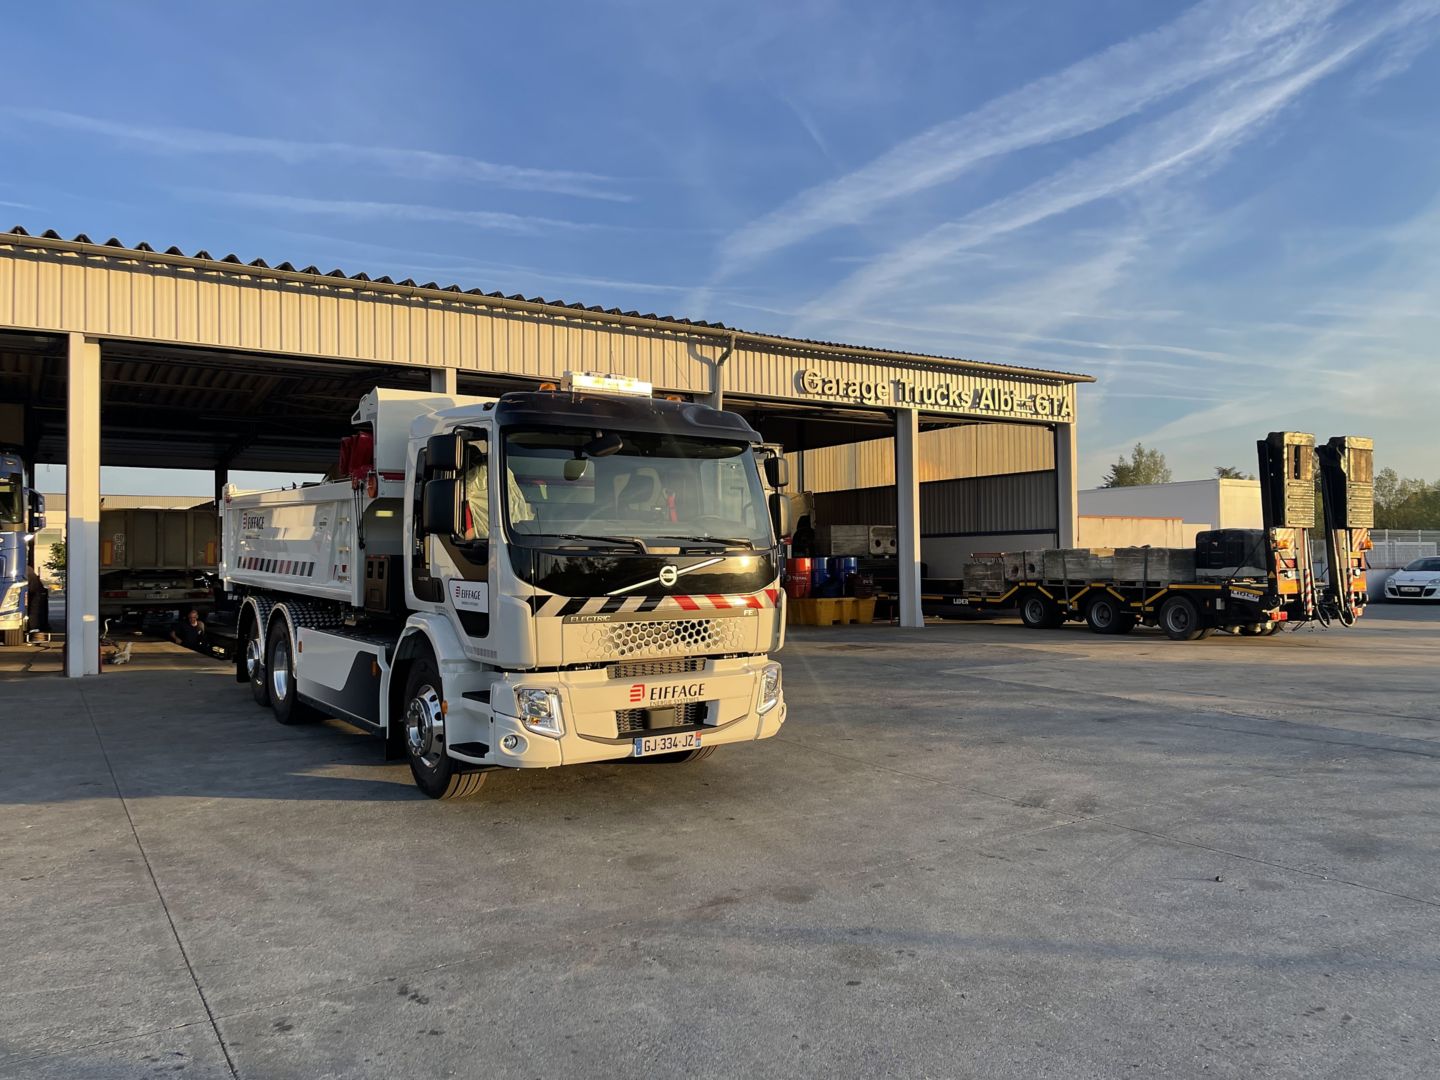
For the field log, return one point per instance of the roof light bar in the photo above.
(595, 382)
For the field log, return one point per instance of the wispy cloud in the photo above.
(1187, 138)
(1210, 38)
(408, 163)
(495, 221)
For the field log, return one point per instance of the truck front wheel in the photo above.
(15, 637)
(1180, 619)
(435, 771)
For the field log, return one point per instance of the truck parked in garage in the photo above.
(157, 560)
(575, 574)
(1245, 581)
(22, 515)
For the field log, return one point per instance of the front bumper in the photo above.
(592, 702)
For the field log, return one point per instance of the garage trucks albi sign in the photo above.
(937, 392)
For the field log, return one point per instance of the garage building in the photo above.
(136, 357)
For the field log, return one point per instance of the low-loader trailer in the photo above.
(575, 574)
(1245, 581)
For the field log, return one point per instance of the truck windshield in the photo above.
(11, 503)
(654, 488)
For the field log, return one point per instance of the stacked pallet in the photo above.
(1076, 564)
(1023, 565)
(985, 576)
(1152, 564)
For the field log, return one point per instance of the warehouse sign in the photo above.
(947, 394)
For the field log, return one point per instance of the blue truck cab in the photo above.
(22, 515)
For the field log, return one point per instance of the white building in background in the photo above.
(1171, 513)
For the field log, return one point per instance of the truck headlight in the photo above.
(769, 688)
(540, 711)
(12, 597)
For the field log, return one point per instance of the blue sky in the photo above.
(1228, 211)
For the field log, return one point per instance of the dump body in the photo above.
(157, 559)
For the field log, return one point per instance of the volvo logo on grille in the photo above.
(668, 576)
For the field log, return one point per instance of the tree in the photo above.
(57, 562)
(1405, 503)
(1230, 472)
(1144, 467)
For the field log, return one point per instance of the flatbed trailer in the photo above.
(1247, 582)
(1185, 611)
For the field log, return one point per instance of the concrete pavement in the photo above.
(975, 850)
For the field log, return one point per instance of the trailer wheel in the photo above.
(1180, 620)
(252, 659)
(1106, 615)
(1039, 612)
(279, 676)
(436, 773)
(680, 758)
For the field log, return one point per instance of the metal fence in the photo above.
(1396, 547)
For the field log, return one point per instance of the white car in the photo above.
(1418, 581)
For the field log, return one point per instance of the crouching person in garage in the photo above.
(190, 632)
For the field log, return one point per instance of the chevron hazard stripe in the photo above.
(551, 606)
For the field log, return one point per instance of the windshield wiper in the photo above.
(632, 541)
(718, 541)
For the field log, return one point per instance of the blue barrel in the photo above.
(842, 569)
(819, 577)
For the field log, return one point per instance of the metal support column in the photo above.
(1067, 486)
(82, 508)
(907, 514)
(444, 381)
(222, 477)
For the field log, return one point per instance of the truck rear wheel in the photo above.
(436, 773)
(1106, 615)
(252, 656)
(1180, 619)
(1039, 612)
(279, 675)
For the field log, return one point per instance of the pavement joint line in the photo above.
(159, 893)
(1128, 828)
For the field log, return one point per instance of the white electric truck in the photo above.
(566, 575)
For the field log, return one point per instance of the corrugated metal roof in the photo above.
(558, 307)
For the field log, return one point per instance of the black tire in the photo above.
(683, 757)
(251, 662)
(1180, 619)
(280, 677)
(1106, 615)
(15, 637)
(436, 773)
(1039, 612)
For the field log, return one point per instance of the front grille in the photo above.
(646, 669)
(632, 721)
(660, 637)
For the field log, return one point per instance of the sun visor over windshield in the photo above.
(679, 418)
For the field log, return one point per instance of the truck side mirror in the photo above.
(777, 471)
(440, 508)
(37, 512)
(445, 453)
(782, 515)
